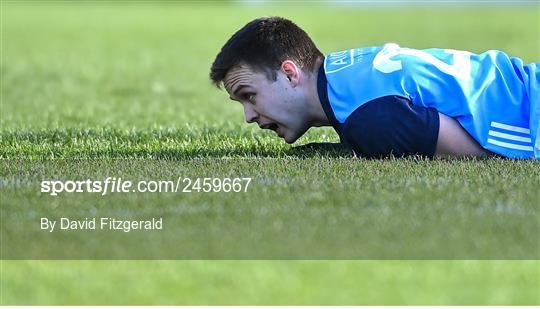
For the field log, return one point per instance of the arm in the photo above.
(454, 141)
(392, 125)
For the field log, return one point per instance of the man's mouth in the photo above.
(270, 126)
(274, 127)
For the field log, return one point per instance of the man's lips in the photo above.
(279, 133)
(272, 126)
(269, 126)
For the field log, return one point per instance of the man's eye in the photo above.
(250, 98)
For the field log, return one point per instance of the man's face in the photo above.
(274, 105)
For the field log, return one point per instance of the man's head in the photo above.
(269, 66)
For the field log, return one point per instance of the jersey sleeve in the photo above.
(391, 125)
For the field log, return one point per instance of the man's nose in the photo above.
(250, 114)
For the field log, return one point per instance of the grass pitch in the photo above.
(98, 89)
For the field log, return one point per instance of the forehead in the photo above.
(241, 75)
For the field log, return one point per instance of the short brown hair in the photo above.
(264, 44)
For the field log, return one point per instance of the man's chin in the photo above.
(290, 136)
(290, 139)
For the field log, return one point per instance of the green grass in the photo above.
(295, 208)
(94, 90)
(272, 282)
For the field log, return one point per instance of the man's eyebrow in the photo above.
(236, 91)
(239, 88)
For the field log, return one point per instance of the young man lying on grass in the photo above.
(383, 100)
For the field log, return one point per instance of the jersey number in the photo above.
(461, 67)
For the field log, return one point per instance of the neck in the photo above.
(318, 116)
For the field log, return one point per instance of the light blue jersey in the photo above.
(493, 96)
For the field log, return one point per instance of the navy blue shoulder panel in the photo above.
(391, 125)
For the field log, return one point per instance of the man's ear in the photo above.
(292, 71)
